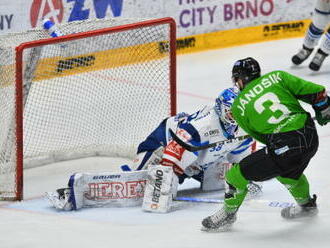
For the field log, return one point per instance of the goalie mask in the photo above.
(223, 108)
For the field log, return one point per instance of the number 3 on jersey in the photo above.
(274, 106)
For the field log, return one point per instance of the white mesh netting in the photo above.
(95, 96)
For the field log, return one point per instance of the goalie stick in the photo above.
(193, 148)
(197, 199)
(269, 203)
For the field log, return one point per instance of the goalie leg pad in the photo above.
(77, 186)
(213, 178)
(160, 188)
(106, 189)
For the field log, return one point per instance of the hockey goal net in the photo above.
(98, 90)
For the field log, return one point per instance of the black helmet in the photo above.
(246, 69)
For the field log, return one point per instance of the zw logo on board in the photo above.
(69, 64)
(80, 12)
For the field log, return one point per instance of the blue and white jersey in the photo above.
(159, 137)
(204, 127)
(200, 128)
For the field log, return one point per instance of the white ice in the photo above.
(32, 223)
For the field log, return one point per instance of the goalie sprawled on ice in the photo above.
(161, 163)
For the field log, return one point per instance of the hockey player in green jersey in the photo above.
(267, 108)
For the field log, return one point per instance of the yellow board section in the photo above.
(53, 67)
(59, 67)
(235, 37)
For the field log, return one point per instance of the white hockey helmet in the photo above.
(223, 108)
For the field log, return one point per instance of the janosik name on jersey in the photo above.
(258, 89)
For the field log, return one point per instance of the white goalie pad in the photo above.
(160, 188)
(123, 189)
(214, 176)
(108, 189)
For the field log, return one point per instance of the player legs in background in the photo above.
(320, 21)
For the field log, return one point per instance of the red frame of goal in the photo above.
(19, 78)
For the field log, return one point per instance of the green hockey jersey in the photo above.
(269, 104)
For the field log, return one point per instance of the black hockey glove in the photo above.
(322, 111)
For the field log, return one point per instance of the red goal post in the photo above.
(117, 81)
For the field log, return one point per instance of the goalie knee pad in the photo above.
(160, 188)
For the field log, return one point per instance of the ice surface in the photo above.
(32, 223)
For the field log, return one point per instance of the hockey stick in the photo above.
(274, 204)
(193, 148)
(196, 199)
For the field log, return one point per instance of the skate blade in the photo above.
(225, 228)
(302, 216)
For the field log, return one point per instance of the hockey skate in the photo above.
(220, 221)
(306, 210)
(60, 199)
(317, 61)
(302, 55)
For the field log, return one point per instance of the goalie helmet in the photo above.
(222, 107)
(246, 69)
